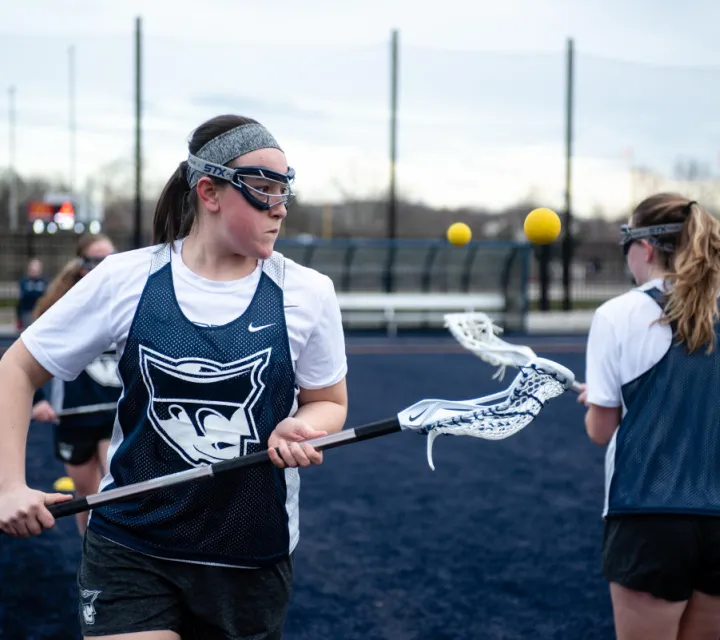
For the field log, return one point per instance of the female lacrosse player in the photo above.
(84, 425)
(227, 348)
(653, 376)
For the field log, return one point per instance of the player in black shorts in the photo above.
(82, 409)
(653, 379)
(227, 348)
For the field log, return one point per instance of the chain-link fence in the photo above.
(481, 136)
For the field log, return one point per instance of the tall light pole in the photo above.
(138, 236)
(13, 204)
(392, 223)
(71, 117)
(567, 242)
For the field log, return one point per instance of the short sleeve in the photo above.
(322, 362)
(602, 365)
(77, 328)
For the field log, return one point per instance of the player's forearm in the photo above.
(18, 381)
(323, 415)
(16, 393)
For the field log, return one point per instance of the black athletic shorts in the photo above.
(76, 445)
(667, 556)
(125, 591)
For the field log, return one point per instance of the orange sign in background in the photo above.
(41, 210)
(38, 210)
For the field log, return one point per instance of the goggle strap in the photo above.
(637, 233)
(229, 173)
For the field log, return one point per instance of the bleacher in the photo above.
(379, 283)
(413, 283)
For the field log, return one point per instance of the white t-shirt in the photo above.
(98, 311)
(624, 342)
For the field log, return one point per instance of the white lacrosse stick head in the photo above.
(492, 417)
(477, 333)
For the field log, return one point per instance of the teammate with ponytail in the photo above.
(653, 397)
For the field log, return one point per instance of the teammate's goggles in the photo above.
(89, 263)
(268, 188)
(629, 234)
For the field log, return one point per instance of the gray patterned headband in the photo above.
(232, 144)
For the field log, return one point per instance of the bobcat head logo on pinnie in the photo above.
(203, 408)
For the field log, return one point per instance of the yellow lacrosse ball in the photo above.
(542, 226)
(459, 234)
(64, 484)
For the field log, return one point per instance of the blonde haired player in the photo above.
(653, 375)
(82, 431)
(227, 348)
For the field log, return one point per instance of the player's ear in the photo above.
(207, 192)
(649, 250)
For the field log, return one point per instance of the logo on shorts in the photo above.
(202, 408)
(65, 450)
(88, 598)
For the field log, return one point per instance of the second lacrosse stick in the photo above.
(478, 334)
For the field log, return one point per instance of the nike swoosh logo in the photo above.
(253, 329)
(415, 417)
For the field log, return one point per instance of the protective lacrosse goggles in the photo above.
(276, 191)
(89, 263)
(629, 234)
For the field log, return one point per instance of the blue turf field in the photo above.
(502, 541)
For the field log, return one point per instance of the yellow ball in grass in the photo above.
(542, 226)
(64, 484)
(459, 234)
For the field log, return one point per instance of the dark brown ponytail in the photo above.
(175, 211)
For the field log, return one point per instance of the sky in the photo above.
(481, 109)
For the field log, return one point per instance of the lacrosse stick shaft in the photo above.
(93, 408)
(347, 436)
(539, 381)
